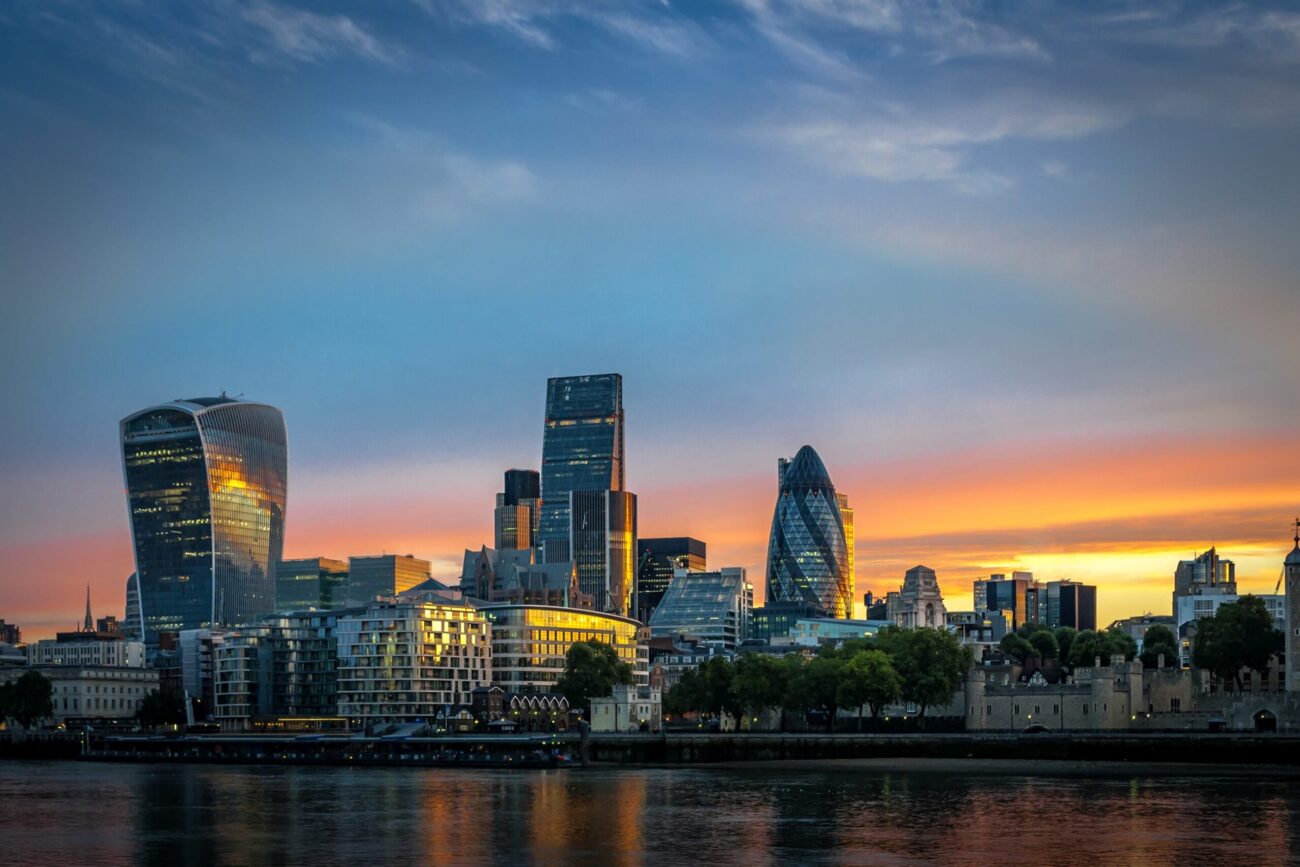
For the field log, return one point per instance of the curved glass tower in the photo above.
(807, 557)
(205, 485)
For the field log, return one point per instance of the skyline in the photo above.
(1081, 550)
(1025, 277)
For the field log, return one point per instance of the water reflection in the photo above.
(181, 814)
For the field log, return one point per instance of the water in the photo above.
(90, 813)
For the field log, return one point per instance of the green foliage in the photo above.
(869, 678)
(1017, 647)
(162, 708)
(1156, 641)
(1064, 639)
(1089, 644)
(1239, 635)
(1044, 643)
(931, 662)
(760, 682)
(821, 678)
(591, 670)
(27, 699)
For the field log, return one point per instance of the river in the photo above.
(99, 813)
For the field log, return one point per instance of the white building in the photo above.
(918, 602)
(86, 648)
(91, 692)
(630, 709)
(411, 662)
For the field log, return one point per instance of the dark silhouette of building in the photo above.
(657, 560)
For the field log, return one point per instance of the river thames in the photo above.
(70, 812)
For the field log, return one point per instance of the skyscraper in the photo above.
(582, 450)
(1206, 575)
(516, 514)
(206, 481)
(657, 560)
(807, 557)
(712, 606)
(850, 555)
(602, 542)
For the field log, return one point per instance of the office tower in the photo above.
(529, 643)
(602, 545)
(1291, 581)
(517, 512)
(1206, 575)
(385, 575)
(807, 559)
(850, 554)
(657, 560)
(582, 450)
(1017, 595)
(109, 625)
(714, 607)
(132, 625)
(1070, 603)
(205, 482)
(314, 582)
(10, 633)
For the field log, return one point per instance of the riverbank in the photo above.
(1019, 768)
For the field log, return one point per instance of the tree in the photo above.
(821, 678)
(1121, 643)
(160, 708)
(1016, 646)
(1064, 639)
(1159, 640)
(1239, 635)
(931, 662)
(1044, 644)
(27, 699)
(760, 682)
(869, 678)
(718, 676)
(591, 670)
(686, 695)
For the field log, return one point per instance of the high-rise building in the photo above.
(715, 607)
(807, 557)
(602, 542)
(1291, 580)
(850, 553)
(582, 450)
(206, 480)
(10, 633)
(1207, 574)
(1070, 603)
(657, 560)
(314, 582)
(1016, 596)
(517, 512)
(132, 625)
(384, 575)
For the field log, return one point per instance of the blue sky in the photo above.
(911, 234)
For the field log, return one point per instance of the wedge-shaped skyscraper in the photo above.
(205, 483)
(807, 557)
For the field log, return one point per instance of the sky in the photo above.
(1024, 274)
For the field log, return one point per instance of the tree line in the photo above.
(922, 667)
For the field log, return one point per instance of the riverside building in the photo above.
(807, 557)
(715, 607)
(411, 662)
(530, 642)
(206, 482)
(314, 582)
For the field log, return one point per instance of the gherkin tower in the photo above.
(807, 557)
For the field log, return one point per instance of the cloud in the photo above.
(310, 38)
(905, 144)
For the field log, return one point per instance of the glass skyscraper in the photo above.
(807, 556)
(712, 606)
(602, 540)
(657, 560)
(206, 481)
(582, 450)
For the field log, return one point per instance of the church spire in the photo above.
(89, 625)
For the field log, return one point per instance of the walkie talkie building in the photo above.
(206, 480)
(807, 557)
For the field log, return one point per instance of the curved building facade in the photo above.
(530, 642)
(206, 481)
(807, 556)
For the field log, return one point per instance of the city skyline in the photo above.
(955, 585)
(1025, 275)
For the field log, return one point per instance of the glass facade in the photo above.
(206, 484)
(711, 606)
(657, 560)
(529, 643)
(582, 450)
(602, 543)
(807, 556)
(385, 575)
(316, 582)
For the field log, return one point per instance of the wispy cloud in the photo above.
(307, 37)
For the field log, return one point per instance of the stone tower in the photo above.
(1291, 577)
